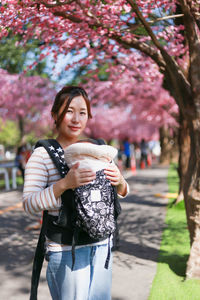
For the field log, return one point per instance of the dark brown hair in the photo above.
(66, 95)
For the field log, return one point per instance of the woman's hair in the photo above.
(66, 95)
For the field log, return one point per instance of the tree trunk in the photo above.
(21, 127)
(192, 181)
(184, 153)
(167, 145)
(186, 91)
(192, 197)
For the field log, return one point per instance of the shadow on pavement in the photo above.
(141, 201)
(141, 224)
(140, 251)
(176, 263)
(141, 179)
(16, 244)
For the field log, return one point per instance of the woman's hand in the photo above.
(113, 174)
(74, 178)
(77, 177)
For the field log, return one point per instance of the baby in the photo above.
(95, 157)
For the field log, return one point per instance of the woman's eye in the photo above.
(83, 113)
(69, 111)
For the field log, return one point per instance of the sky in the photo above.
(57, 70)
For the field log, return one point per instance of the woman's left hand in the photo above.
(113, 174)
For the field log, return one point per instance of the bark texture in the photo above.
(184, 154)
(192, 180)
(192, 199)
(168, 144)
(165, 145)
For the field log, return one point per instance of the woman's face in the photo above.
(75, 119)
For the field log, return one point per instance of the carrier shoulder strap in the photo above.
(50, 145)
(38, 258)
(55, 151)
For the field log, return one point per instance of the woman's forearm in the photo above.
(59, 187)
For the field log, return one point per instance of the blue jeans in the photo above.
(88, 281)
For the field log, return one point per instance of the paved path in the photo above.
(141, 224)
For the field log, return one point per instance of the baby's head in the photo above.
(82, 150)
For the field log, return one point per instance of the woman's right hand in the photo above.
(74, 178)
(77, 177)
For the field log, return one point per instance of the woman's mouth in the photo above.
(74, 128)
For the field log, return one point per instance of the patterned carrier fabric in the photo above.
(95, 206)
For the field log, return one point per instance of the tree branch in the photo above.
(145, 24)
(189, 22)
(58, 3)
(166, 18)
(67, 16)
(144, 48)
(134, 26)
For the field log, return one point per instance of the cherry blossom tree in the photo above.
(116, 122)
(104, 29)
(26, 100)
(131, 101)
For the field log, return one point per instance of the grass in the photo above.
(169, 282)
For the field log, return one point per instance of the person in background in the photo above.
(144, 153)
(127, 152)
(20, 159)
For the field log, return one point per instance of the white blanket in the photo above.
(92, 156)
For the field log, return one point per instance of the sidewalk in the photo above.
(141, 223)
(134, 267)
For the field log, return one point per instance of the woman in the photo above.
(42, 191)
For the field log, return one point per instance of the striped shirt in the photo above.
(38, 195)
(40, 175)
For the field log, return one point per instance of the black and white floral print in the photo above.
(95, 207)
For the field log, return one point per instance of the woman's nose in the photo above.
(75, 117)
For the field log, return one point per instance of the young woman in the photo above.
(43, 188)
